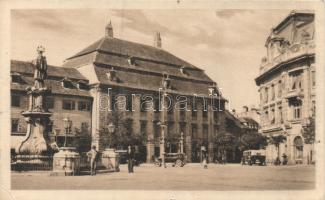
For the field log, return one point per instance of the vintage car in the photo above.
(177, 159)
(253, 157)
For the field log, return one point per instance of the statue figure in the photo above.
(41, 67)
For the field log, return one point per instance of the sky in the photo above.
(227, 44)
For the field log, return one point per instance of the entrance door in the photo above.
(298, 149)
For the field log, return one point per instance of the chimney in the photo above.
(157, 40)
(109, 30)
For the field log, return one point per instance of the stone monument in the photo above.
(37, 116)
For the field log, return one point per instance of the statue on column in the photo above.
(37, 117)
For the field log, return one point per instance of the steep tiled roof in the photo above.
(151, 82)
(119, 53)
(55, 75)
(28, 68)
(127, 48)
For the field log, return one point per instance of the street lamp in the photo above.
(67, 123)
(181, 142)
(111, 130)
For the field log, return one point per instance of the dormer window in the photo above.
(131, 61)
(111, 75)
(213, 89)
(16, 78)
(67, 83)
(183, 70)
(82, 85)
(166, 81)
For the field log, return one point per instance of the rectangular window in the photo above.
(205, 131)
(15, 125)
(68, 105)
(143, 128)
(156, 129)
(313, 108)
(280, 88)
(266, 117)
(280, 115)
(205, 113)
(49, 102)
(15, 100)
(182, 114)
(84, 106)
(272, 116)
(296, 80)
(129, 102)
(266, 95)
(272, 92)
(16, 79)
(194, 131)
(313, 78)
(297, 112)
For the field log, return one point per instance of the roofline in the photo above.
(290, 16)
(55, 93)
(192, 67)
(137, 88)
(155, 73)
(97, 49)
(275, 68)
(51, 66)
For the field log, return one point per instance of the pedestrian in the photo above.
(284, 159)
(205, 163)
(93, 159)
(130, 157)
(224, 159)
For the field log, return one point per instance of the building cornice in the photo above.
(282, 65)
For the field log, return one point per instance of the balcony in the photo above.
(293, 51)
(294, 93)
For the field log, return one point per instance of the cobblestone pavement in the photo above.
(189, 177)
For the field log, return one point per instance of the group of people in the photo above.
(94, 156)
(284, 160)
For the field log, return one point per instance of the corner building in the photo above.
(287, 87)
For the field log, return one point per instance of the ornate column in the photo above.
(37, 117)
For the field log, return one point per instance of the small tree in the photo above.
(252, 141)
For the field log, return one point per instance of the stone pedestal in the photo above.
(66, 162)
(110, 160)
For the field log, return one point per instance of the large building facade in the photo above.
(287, 88)
(118, 77)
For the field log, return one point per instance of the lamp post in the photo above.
(181, 142)
(67, 123)
(111, 130)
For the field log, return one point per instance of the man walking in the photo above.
(93, 160)
(130, 159)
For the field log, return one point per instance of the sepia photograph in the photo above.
(208, 99)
